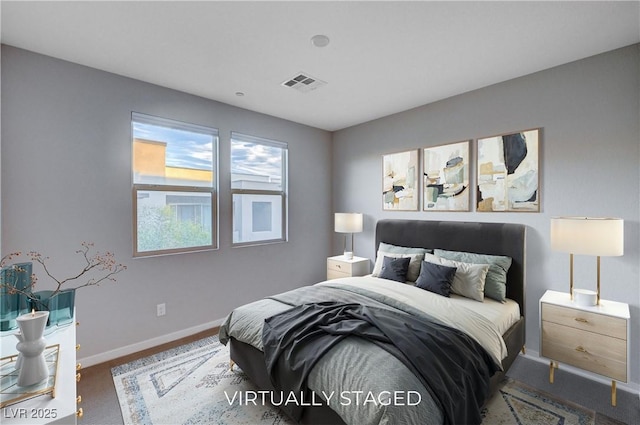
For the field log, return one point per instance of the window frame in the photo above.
(185, 189)
(283, 193)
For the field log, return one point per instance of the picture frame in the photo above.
(400, 181)
(508, 172)
(445, 170)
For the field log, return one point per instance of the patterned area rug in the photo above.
(192, 384)
(517, 403)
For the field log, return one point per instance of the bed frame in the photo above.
(483, 238)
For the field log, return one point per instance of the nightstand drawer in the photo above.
(597, 353)
(335, 274)
(339, 266)
(584, 320)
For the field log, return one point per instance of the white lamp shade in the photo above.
(348, 223)
(588, 235)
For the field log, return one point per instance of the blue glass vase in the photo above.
(13, 303)
(59, 305)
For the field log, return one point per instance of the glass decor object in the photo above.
(15, 281)
(59, 305)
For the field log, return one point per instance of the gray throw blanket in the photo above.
(453, 367)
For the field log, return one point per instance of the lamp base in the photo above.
(348, 255)
(585, 297)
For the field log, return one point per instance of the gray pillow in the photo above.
(436, 278)
(496, 282)
(395, 268)
(394, 249)
(416, 255)
(469, 279)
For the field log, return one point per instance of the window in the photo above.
(174, 186)
(258, 189)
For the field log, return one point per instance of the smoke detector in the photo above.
(303, 82)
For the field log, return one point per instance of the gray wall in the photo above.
(66, 178)
(590, 166)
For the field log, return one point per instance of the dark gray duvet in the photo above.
(453, 367)
(356, 367)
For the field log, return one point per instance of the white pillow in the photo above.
(469, 278)
(414, 264)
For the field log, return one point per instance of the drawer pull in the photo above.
(79, 399)
(338, 266)
(581, 320)
(77, 347)
(581, 349)
(80, 413)
(78, 366)
(78, 376)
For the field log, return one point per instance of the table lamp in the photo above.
(348, 223)
(587, 236)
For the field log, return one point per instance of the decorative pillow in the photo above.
(415, 254)
(395, 268)
(436, 278)
(496, 283)
(394, 249)
(469, 279)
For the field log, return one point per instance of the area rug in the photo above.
(518, 403)
(192, 384)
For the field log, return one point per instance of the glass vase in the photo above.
(15, 282)
(59, 305)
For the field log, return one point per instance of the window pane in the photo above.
(256, 165)
(173, 220)
(261, 216)
(170, 153)
(257, 218)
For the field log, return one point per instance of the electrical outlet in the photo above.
(161, 309)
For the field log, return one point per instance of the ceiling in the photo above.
(383, 57)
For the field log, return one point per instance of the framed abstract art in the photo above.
(508, 172)
(400, 181)
(446, 177)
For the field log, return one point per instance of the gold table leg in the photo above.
(524, 351)
(231, 364)
(552, 366)
(613, 393)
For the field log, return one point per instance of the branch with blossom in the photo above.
(98, 268)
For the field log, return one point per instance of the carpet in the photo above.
(518, 403)
(192, 384)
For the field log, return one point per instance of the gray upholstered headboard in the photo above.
(483, 238)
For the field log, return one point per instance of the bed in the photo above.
(368, 367)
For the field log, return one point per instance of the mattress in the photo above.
(503, 315)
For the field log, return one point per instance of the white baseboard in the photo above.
(149, 343)
(629, 386)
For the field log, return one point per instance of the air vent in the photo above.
(303, 82)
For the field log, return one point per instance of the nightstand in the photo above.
(594, 338)
(339, 266)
